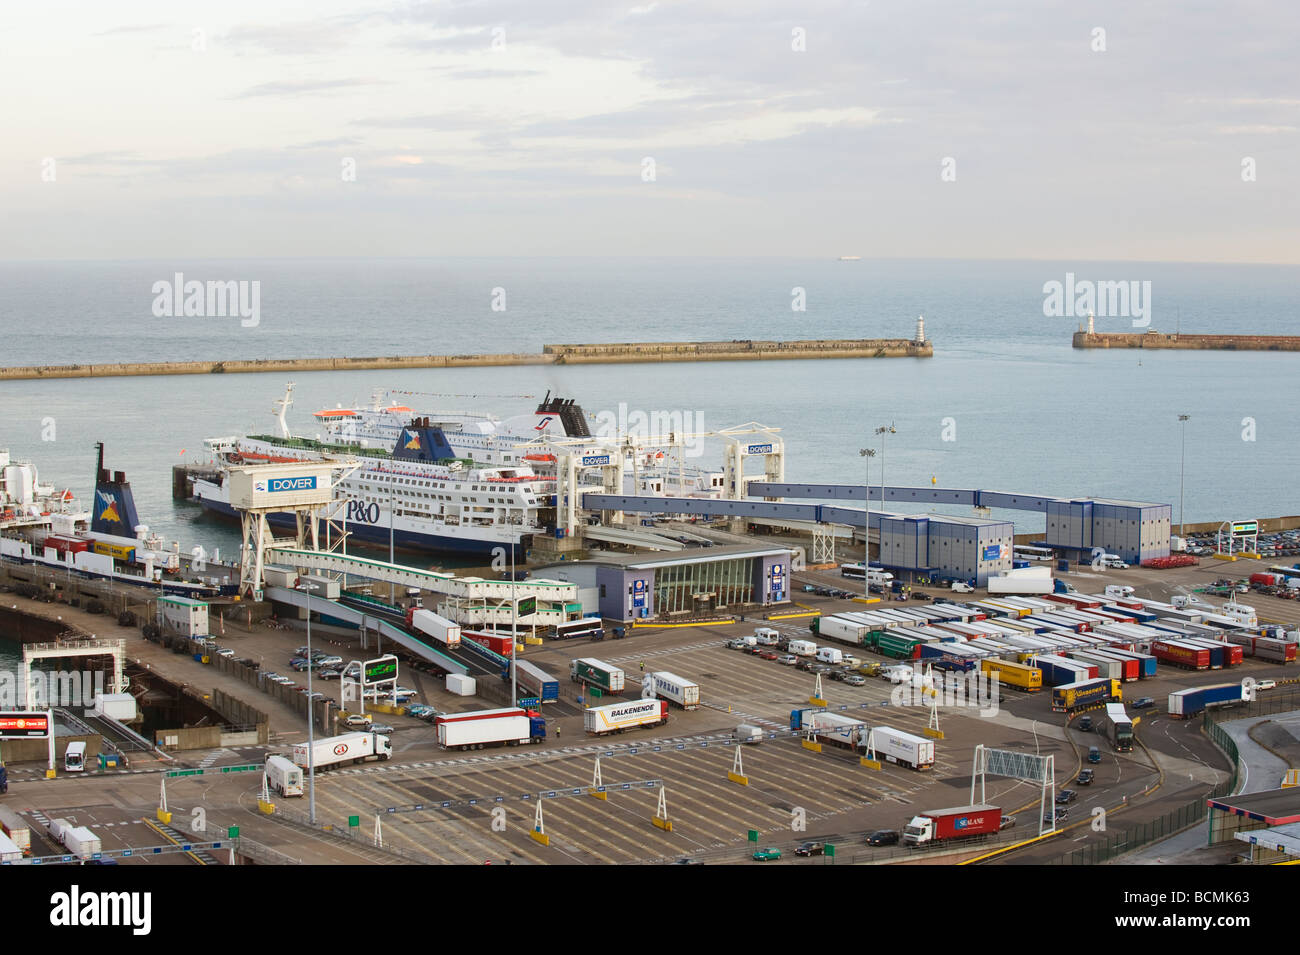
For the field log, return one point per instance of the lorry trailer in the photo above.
(16, 829)
(618, 717)
(442, 630)
(341, 750)
(1181, 654)
(895, 746)
(510, 726)
(1019, 675)
(1085, 695)
(833, 728)
(673, 688)
(1195, 700)
(1118, 728)
(537, 681)
(283, 777)
(940, 825)
(604, 676)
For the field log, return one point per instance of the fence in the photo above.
(351, 835)
(1196, 811)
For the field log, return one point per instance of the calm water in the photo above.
(1027, 411)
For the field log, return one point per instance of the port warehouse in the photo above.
(629, 587)
(941, 546)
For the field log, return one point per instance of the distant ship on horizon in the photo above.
(850, 258)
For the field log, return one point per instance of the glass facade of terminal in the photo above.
(708, 585)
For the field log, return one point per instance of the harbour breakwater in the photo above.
(1154, 339)
(629, 352)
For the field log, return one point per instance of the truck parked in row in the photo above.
(510, 726)
(895, 746)
(603, 676)
(618, 717)
(674, 689)
(344, 749)
(282, 776)
(536, 681)
(939, 825)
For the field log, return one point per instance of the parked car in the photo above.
(811, 849)
(789, 659)
(883, 837)
(1142, 703)
(769, 854)
(838, 674)
(805, 663)
(769, 655)
(854, 679)
(355, 719)
(329, 673)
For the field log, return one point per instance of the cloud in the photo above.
(299, 87)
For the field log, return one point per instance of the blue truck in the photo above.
(1190, 702)
(537, 681)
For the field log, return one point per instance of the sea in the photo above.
(1005, 403)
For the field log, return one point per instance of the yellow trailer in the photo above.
(1014, 674)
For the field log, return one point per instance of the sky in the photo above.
(1159, 131)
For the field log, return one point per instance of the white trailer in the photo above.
(511, 726)
(801, 648)
(16, 829)
(283, 776)
(843, 630)
(617, 717)
(1020, 585)
(442, 630)
(340, 750)
(895, 746)
(9, 851)
(78, 840)
(675, 689)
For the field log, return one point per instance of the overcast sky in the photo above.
(141, 129)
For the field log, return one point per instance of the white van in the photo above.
(766, 636)
(881, 578)
(74, 758)
(747, 733)
(832, 655)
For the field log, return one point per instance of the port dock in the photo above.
(1154, 339)
(615, 353)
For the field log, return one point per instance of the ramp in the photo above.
(343, 612)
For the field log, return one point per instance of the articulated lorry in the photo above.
(283, 777)
(618, 717)
(16, 829)
(341, 750)
(940, 825)
(78, 840)
(603, 676)
(442, 630)
(511, 726)
(672, 688)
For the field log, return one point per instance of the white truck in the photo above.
(802, 648)
(78, 840)
(340, 750)
(442, 630)
(617, 717)
(283, 776)
(672, 688)
(843, 630)
(1118, 591)
(16, 829)
(511, 726)
(748, 733)
(9, 851)
(895, 746)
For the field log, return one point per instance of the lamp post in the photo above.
(868, 454)
(311, 733)
(1182, 518)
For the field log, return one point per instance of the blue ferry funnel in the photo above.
(421, 441)
(113, 508)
